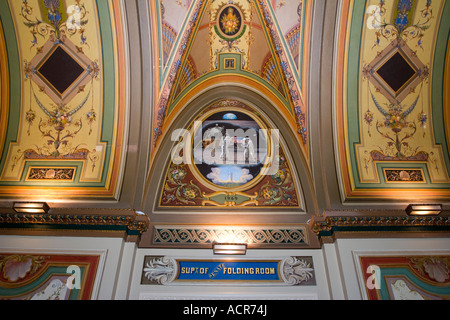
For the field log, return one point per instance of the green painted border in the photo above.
(236, 71)
(46, 164)
(437, 83)
(299, 74)
(109, 103)
(353, 71)
(51, 271)
(230, 39)
(108, 99)
(164, 70)
(403, 165)
(428, 288)
(14, 79)
(190, 41)
(274, 53)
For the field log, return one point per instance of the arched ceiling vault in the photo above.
(259, 49)
(261, 105)
(357, 89)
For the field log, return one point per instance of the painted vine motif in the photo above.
(406, 277)
(288, 73)
(393, 120)
(183, 189)
(401, 27)
(26, 276)
(228, 23)
(394, 124)
(58, 127)
(234, 42)
(279, 189)
(435, 268)
(177, 190)
(53, 25)
(414, 175)
(17, 267)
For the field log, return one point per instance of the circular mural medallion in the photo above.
(230, 149)
(230, 22)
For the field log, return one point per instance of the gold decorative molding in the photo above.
(251, 234)
(230, 199)
(133, 224)
(326, 227)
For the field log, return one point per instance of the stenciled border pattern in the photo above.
(133, 224)
(249, 235)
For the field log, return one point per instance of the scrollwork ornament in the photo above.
(296, 271)
(160, 270)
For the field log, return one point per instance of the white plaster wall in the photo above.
(347, 251)
(110, 250)
(242, 292)
(338, 276)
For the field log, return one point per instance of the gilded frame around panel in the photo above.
(267, 163)
(108, 185)
(4, 88)
(349, 189)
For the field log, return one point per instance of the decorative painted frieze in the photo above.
(330, 225)
(290, 271)
(211, 234)
(130, 222)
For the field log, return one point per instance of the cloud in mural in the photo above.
(224, 175)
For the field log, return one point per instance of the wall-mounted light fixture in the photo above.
(423, 209)
(31, 207)
(230, 248)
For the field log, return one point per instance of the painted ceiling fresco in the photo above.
(62, 115)
(406, 277)
(64, 85)
(25, 276)
(391, 105)
(235, 160)
(204, 43)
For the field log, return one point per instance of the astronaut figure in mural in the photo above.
(225, 142)
(249, 150)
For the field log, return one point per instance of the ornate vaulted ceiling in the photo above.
(391, 100)
(100, 97)
(63, 110)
